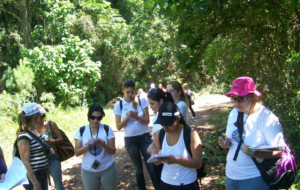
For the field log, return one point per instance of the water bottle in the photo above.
(45, 136)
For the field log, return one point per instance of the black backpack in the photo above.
(81, 130)
(187, 141)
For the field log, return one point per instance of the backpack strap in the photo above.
(81, 130)
(46, 148)
(139, 99)
(106, 129)
(121, 105)
(240, 125)
(161, 137)
(53, 133)
(187, 138)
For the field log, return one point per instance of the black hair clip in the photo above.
(23, 112)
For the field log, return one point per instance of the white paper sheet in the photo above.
(15, 176)
(154, 157)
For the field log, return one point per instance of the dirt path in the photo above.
(204, 107)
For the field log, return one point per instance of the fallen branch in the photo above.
(210, 147)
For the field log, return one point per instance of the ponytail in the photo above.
(169, 97)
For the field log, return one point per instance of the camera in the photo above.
(95, 164)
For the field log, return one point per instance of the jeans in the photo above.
(55, 172)
(135, 146)
(41, 177)
(190, 106)
(247, 184)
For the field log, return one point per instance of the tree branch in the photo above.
(11, 13)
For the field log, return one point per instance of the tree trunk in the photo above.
(26, 23)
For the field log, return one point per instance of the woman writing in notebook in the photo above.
(179, 170)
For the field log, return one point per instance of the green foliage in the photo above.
(221, 182)
(20, 78)
(47, 97)
(10, 105)
(59, 16)
(66, 70)
(24, 76)
(9, 80)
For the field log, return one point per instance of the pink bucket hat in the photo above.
(243, 86)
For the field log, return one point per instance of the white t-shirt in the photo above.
(105, 159)
(184, 110)
(188, 91)
(262, 128)
(176, 174)
(133, 127)
(156, 127)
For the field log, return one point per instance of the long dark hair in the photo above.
(157, 94)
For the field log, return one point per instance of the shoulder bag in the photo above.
(65, 150)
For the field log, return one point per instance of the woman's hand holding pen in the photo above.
(152, 149)
(224, 142)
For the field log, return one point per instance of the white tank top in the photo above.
(175, 174)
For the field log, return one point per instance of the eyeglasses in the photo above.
(94, 117)
(239, 99)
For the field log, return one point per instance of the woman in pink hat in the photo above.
(260, 127)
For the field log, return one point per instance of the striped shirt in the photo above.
(38, 160)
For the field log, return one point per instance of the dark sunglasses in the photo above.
(94, 117)
(239, 99)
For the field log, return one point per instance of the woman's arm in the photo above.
(188, 92)
(59, 139)
(79, 149)
(145, 120)
(24, 150)
(264, 155)
(111, 147)
(121, 124)
(196, 149)
(157, 145)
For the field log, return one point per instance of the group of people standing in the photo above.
(96, 141)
